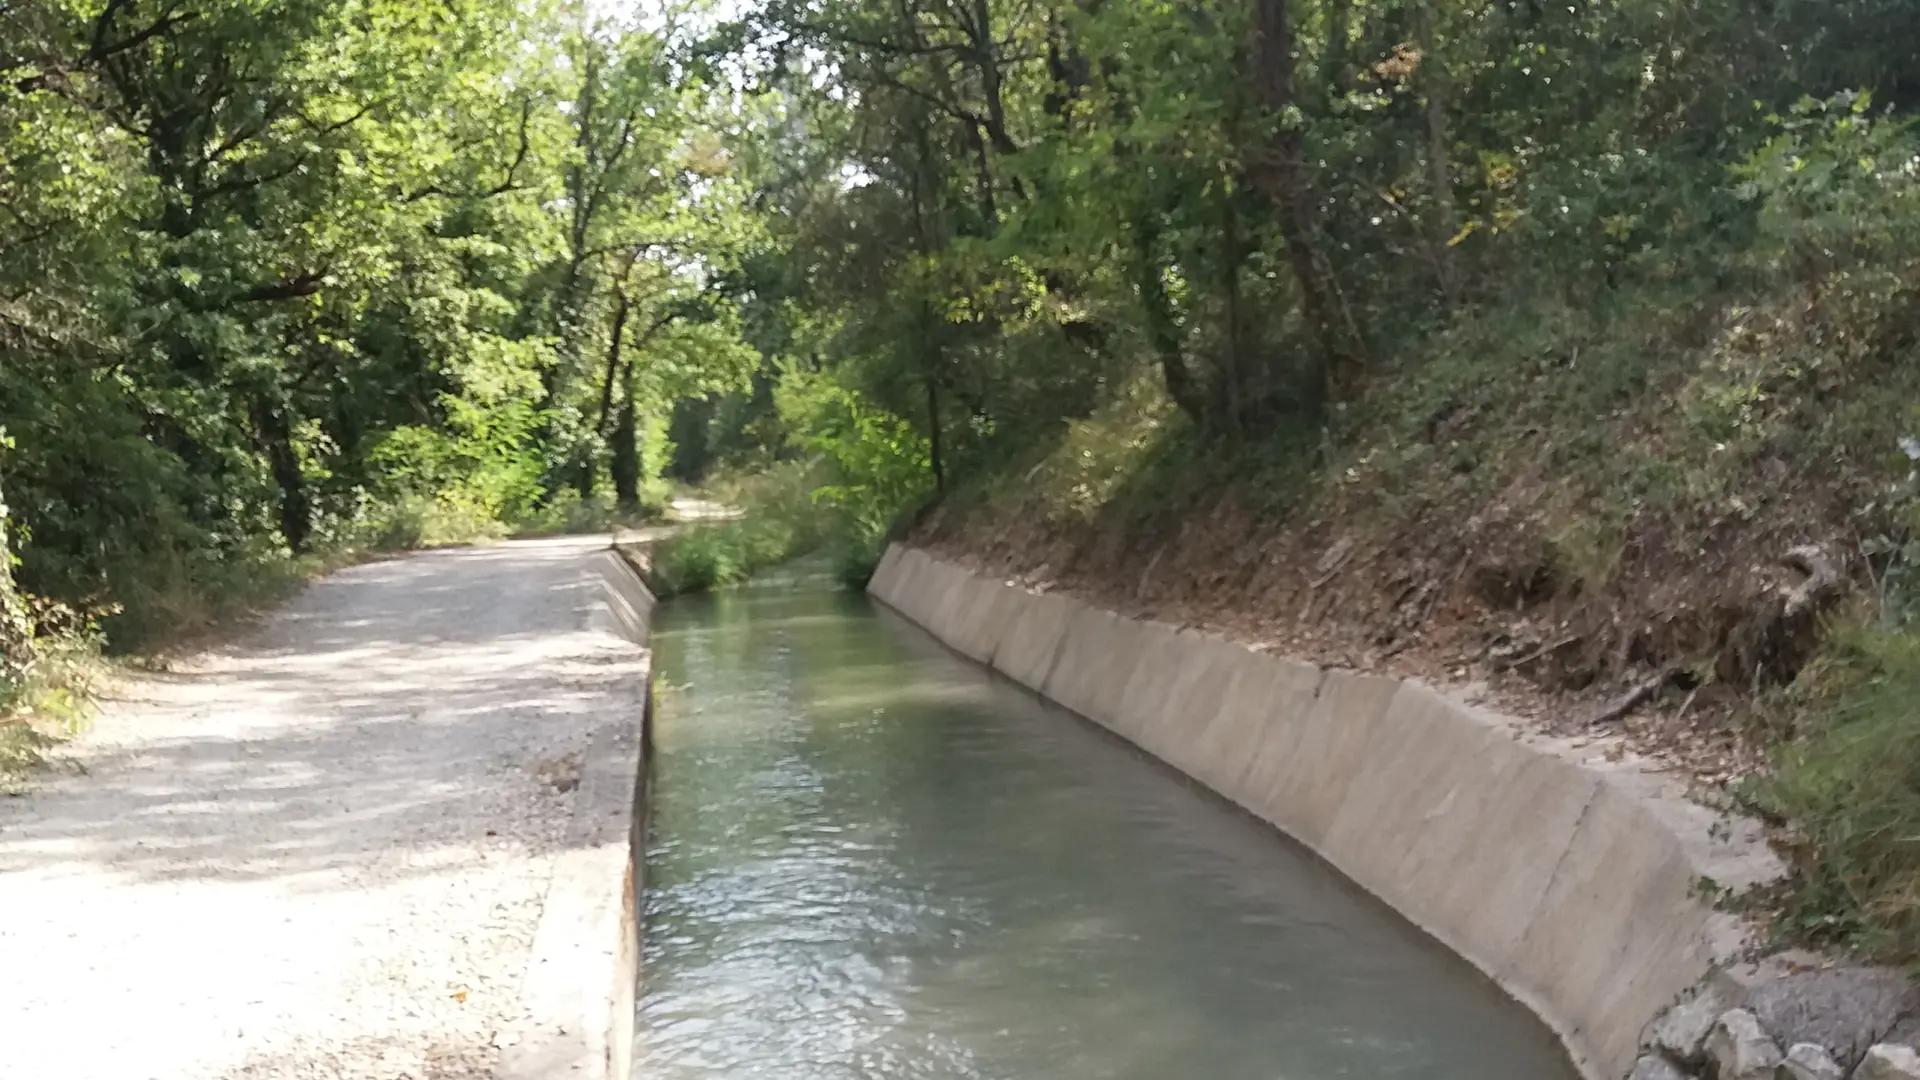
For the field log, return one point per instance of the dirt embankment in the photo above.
(1661, 636)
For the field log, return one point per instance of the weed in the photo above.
(569, 513)
(1848, 780)
(705, 557)
(781, 521)
(1588, 550)
(23, 747)
(49, 698)
(173, 595)
(429, 521)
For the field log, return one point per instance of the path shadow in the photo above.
(402, 717)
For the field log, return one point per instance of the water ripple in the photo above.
(873, 860)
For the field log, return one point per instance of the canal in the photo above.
(873, 859)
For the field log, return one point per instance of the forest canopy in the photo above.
(278, 277)
(287, 276)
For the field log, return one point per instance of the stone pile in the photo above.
(1788, 1019)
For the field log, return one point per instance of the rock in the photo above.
(1655, 1067)
(1844, 1009)
(1805, 1061)
(1906, 1032)
(1740, 1049)
(1681, 1032)
(1889, 1061)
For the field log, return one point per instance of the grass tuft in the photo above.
(1847, 777)
(717, 556)
(50, 699)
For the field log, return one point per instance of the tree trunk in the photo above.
(1282, 174)
(586, 473)
(1446, 221)
(621, 307)
(1163, 329)
(624, 460)
(276, 437)
(1234, 379)
(16, 626)
(621, 458)
(1334, 63)
(1068, 72)
(1439, 160)
(983, 180)
(987, 60)
(930, 336)
(933, 437)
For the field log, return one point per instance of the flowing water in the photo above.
(873, 859)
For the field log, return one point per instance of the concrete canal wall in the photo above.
(1573, 881)
(584, 973)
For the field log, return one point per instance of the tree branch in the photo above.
(840, 37)
(229, 187)
(291, 288)
(510, 183)
(101, 51)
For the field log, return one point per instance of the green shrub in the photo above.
(717, 556)
(1848, 782)
(567, 513)
(855, 556)
(446, 519)
(871, 465)
(1846, 774)
(46, 684)
(789, 509)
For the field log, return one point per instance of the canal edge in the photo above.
(1576, 885)
(579, 994)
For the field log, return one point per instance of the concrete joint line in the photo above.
(1053, 660)
(1553, 879)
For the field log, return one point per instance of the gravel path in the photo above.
(322, 852)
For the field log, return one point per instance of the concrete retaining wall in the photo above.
(1570, 879)
(585, 965)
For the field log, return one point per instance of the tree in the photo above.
(275, 271)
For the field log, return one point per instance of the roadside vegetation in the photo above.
(851, 471)
(1847, 783)
(285, 284)
(772, 520)
(1568, 348)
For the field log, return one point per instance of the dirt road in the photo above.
(325, 851)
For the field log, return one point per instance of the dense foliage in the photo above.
(277, 277)
(989, 212)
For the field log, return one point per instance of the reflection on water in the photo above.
(873, 859)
